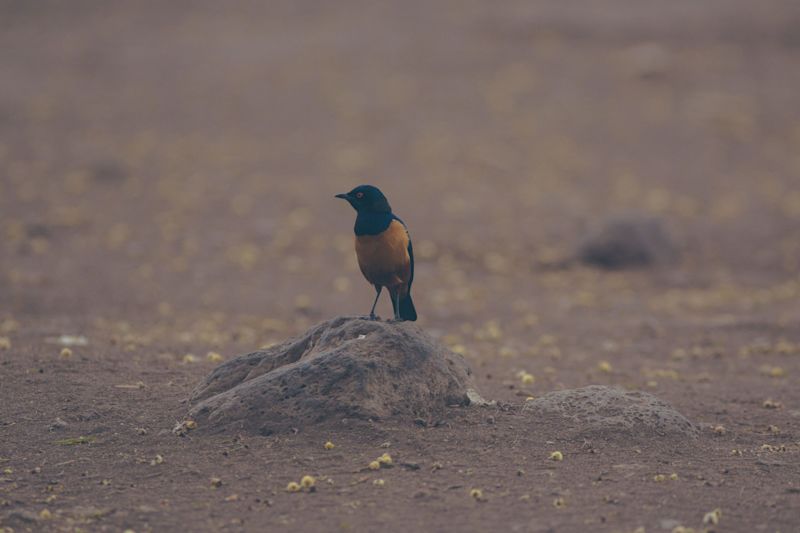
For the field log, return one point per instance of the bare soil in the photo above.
(167, 172)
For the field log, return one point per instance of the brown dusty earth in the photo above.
(167, 172)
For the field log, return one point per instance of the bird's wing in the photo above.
(411, 255)
(410, 249)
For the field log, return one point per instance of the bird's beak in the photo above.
(343, 196)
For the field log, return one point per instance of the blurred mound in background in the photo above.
(627, 241)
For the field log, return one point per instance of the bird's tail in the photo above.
(407, 311)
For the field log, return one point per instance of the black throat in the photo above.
(372, 222)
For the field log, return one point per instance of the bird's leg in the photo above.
(378, 290)
(395, 294)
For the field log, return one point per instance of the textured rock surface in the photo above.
(610, 411)
(344, 368)
(627, 241)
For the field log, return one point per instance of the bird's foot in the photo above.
(396, 320)
(373, 317)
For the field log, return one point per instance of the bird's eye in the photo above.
(359, 195)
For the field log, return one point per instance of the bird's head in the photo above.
(366, 198)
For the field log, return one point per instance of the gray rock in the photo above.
(627, 241)
(603, 411)
(347, 367)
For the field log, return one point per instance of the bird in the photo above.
(383, 248)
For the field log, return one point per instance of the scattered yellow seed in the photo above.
(66, 353)
(293, 486)
(526, 377)
(9, 325)
(157, 460)
(773, 429)
(559, 503)
(302, 302)
(529, 398)
(374, 465)
(658, 478)
(772, 371)
(214, 357)
(604, 366)
(777, 372)
(307, 482)
(216, 482)
(477, 494)
(379, 482)
(719, 429)
(329, 445)
(769, 403)
(182, 428)
(713, 517)
(673, 476)
(8, 471)
(736, 452)
(556, 456)
(460, 349)
(189, 358)
(385, 459)
(45, 514)
(679, 353)
(232, 498)
(5, 343)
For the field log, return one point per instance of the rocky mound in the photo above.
(347, 367)
(627, 241)
(600, 411)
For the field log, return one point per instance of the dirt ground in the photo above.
(167, 172)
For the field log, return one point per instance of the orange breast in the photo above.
(383, 258)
